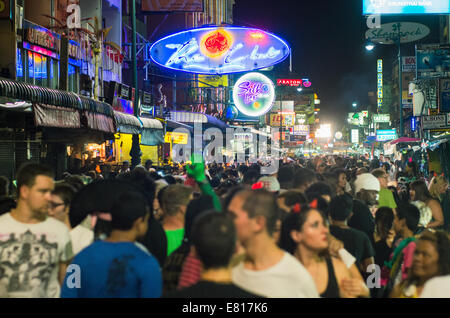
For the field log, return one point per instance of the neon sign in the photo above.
(380, 83)
(219, 50)
(294, 82)
(253, 94)
(216, 43)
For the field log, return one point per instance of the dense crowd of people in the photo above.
(328, 226)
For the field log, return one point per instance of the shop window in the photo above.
(40, 70)
(54, 74)
(37, 68)
(19, 68)
(30, 69)
(73, 72)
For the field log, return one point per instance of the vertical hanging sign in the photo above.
(380, 82)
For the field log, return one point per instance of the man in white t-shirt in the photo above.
(34, 248)
(267, 270)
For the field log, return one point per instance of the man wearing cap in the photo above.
(367, 188)
(270, 183)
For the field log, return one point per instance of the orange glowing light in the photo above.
(257, 35)
(216, 43)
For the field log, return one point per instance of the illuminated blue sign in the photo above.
(219, 50)
(406, 7)
(384, 135)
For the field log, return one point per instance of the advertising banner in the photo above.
(385, 135)
(176, 138)
(172, 5)
(302, 130)
(433, 60)
(407, 99)
(408, 64)
(434, 121)
(287, 120)
(399, 7)
(297, 138)
(444, 94)
(355, 136)
(381, 118)
(212, 80)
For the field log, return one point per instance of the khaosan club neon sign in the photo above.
(219, 50)
(253, 94)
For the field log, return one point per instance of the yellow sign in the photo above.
(287, 119)
(212, 80)
(178, 138)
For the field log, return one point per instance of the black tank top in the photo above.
(332, 290)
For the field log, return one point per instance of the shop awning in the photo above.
(152, 132)
(51, 106)
(53, 116)
(39, 95)
(171, 125)
(191, 118)
(150, 123)
(127, 124)
(100, 122)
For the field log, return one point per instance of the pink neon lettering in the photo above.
(250, 91)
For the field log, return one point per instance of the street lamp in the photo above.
(369, 45)
(355, 104)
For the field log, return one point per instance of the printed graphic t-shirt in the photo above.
(30, 255)
(118, 270)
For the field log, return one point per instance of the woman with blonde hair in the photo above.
(419, 192)
(438, 186)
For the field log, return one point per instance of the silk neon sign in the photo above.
(219, 50)
(253, 94)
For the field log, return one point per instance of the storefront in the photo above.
(37, 60)
(52, 120)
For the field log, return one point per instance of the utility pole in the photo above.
(135, 152)
(400, 88)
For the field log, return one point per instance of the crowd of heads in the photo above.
(294, 207)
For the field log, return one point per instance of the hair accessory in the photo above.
(257, 185)
(314, 203)
(297, 208)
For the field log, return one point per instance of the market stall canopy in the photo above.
(152, 132)
(127, 124)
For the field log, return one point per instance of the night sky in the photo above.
(327, 39)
